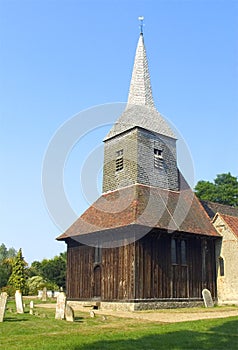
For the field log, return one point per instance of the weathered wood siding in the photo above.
(116, 270)
(79, 271)
(158, 277)
(142, 270)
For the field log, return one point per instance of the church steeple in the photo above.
(140, 148)
(140, 92)
(140, 110)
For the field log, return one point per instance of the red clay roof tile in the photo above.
(144, 206)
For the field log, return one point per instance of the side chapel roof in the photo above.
(231, 221)
(212, 208)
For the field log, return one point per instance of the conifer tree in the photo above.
(18, 276)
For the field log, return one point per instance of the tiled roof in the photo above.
(140, 110)
(144, 206)
(232, 222)
(213, 208)
(141, 116)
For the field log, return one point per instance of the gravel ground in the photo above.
(166, 316)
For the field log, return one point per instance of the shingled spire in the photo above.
(140, 110)
(140, 92)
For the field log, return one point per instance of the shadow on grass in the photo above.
(12, 319)
(219, 338)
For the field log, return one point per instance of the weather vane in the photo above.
(141, 19)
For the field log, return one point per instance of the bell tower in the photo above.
(141, 147)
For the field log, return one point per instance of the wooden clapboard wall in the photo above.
(143, 270)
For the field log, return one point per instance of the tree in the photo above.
(6, 261)
(6, 253)
(5, 272)
(3, 252)
(53, 271)
(224, 190)
(36, 283)
(18, 276)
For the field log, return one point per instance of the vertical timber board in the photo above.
(118, 273)
(211, 268)
(195, 267)
(79, 271)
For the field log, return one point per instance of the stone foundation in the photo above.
(136, 305)
(227, 302)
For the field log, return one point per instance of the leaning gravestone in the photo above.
(207, 298)
(19, 304)
(60, 306)
(44, 294)
(92, 313)
(3, 302)
(69, 313)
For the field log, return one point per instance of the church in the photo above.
(147, 242)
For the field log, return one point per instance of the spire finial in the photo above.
(141, 19)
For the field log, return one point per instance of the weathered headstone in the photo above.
(49, 293)
(56, 294)
(44, 294)
(3, 303)
(69, 313)
(207, 298)
(60, 306)
(31, 307)
(19, 304)
(40, 292)
(92, 313)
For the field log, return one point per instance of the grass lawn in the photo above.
(43, 332)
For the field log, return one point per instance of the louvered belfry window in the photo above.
(119, 160)
(158, 158)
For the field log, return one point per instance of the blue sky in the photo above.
(61, 57)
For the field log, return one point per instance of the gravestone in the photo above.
(40, 292)
(3, 302)
(49, 293)
(60, 306)
(56, 294)
(44, 294)
(92, 313)
(19, 304)
(31, 307)
(207, 298)
(69, 313)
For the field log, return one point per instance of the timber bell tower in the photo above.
(141, 147)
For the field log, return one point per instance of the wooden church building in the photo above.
(147, 242)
